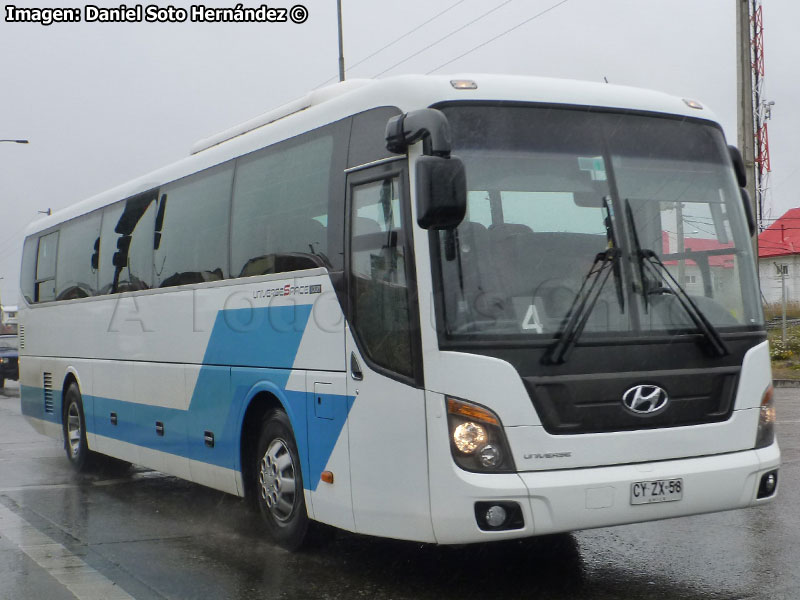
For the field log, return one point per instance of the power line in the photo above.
(507, 31)
(443, 38)
(393, 42)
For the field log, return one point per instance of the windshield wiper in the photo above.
(637, 252)
(584, 301)
(647, 257)
(715, 342)
(582, 305)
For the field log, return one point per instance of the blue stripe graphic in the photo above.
(265, 342)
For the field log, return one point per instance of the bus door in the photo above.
(388, 447)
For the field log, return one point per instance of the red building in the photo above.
(778, 250)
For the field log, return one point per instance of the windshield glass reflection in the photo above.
(549, 187)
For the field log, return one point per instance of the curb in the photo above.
(786, 383)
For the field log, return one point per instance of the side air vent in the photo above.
(21, 336)
(47, 380)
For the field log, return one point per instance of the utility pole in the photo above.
(745, 122)
(782, 271)
(341, 40)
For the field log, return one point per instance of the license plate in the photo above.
(660, 490)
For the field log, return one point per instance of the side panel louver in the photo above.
(47, 381)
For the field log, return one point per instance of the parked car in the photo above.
(9, 358)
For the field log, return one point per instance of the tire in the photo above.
(278, 483)
(80, 457)
(2, 382)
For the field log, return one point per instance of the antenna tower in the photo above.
(762, 110)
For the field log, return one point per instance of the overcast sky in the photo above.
(103, 103)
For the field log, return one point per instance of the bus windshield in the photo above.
(549, 189)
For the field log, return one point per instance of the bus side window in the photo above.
(278, 193)
(191, 243)
(126, 244)
(368, 137)
(75, 276)
(27, 279)
(45, 289)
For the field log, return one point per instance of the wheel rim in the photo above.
(276, 478)
(74, 429)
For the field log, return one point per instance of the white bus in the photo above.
(433, 309)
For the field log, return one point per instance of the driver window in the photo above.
(379, 290)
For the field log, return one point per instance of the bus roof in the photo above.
(406, 92)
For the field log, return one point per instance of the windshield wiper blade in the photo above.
(715, 341)
(584, 301)
(582, 306)
(611, 237)
(648, 257)
(637, 252)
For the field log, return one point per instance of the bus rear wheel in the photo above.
(75, 444)
(80, 457)
(279, 482)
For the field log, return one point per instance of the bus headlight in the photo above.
(477, 441)
(468, 437)
(766, 420)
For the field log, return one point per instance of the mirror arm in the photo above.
(738, 165)
(741, 178)
(428, 124)
(748, 212)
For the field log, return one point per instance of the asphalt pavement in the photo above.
(141, 534)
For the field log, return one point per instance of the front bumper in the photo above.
(568, 500)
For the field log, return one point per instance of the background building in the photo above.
(8, 319)
(779, 250)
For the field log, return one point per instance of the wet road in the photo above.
(144, 535)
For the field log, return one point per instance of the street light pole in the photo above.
(341, 40)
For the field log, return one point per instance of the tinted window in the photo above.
(78, 243)
(46, 268)
(379, 287)
(191, 239)
(27, 273)
(280, 207)
(126, 244)
(368, 137)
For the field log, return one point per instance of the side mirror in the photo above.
(741, 179)
(748, 212)
(441, 192)
(738, 166)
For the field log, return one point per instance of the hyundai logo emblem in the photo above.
(645, 399)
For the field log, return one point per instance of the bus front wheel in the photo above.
(279, 482)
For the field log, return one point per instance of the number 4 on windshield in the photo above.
(531, 320)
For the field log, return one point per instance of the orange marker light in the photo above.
(327, 477)
(470, 411)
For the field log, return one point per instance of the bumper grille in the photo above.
(593, 403)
